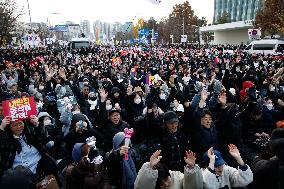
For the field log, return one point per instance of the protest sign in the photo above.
(150, 80)
(19, 108)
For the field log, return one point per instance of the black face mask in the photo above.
(93, 98)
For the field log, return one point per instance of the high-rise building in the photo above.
(86, 27)
(97, 29)
(238, 10)
(127, 27)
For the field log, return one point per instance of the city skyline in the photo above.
(110, 11)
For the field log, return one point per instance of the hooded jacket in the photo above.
(87, 175)
(122, 172)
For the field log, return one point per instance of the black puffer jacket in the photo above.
(86, 175)
(174, 146)
(109, 131)
(268, 173)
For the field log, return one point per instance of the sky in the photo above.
(106, 10)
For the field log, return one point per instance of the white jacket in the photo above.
(230, 177)
(191, 179)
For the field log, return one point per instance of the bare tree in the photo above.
(9, 14)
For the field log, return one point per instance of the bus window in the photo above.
(80, 44)
(263, 46)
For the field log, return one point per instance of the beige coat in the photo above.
(191, 179)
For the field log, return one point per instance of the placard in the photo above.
(19, 108)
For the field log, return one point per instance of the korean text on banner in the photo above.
(19, 108)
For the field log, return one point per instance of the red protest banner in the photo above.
(19, 108)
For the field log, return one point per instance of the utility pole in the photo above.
(29, 14)
(183, 23)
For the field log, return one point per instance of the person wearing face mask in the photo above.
(162, 101)
(134, 107)
(79, 132)
(268, 105)
(219, 175)
(173, 142)
(50, 134)
(117, 96)
(104, 107)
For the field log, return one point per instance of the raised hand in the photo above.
(204, 95)
(103, 94)
(211, 156)
(222, 98)
(233, 150)
(176, 103)
(62, 73)
(6, 121)
(190, 158)
(155, 158)
(34, 120)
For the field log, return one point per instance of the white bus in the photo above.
(265, 46)
(77, 43)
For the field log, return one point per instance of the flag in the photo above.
(155, 1)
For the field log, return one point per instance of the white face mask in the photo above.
(272, 89)
(41, 87)
(137, 100)
(238, 69)
(269, 106)
(185, 82)
(76, 112)
(47, 122)
(108, 107)
(163, 96)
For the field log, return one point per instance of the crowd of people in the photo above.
(143, 117)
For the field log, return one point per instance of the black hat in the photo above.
(78, 117)
(205, 112)
(114, 110)
(115, 90)
(170, 117)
